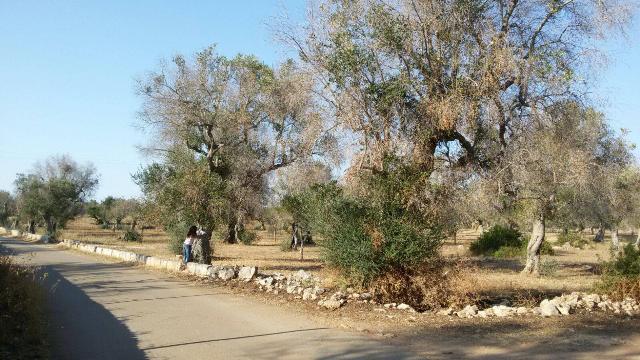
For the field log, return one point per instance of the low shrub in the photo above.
(549, 267)
(247, 237)
(507, 252)
(285, 244)
(495, 238)
(23, 325)
(545, 249)
(502, 242)
(621, 276)
(574, 239)
(132, 235)
(177, 234)
(365, 238)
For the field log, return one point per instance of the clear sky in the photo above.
(67, 71)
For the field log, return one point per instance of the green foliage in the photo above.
(503, 242)
(7, 208)
(183, 191)
(621, 276)
(285, 244)
(55, 192)
(627, 264)
(177, 233)
(495, 238)
(23, 330)
(545, 248)
(365, 238)
(247, 237)
(132, 235)
(549, 267)
(574, 239)
(94, 211)
(508, 252)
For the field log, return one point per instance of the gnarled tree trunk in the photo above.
(599, 235)
(615, 240)
(535, 245)
(201, 248)
(294, 236)
(234, 227)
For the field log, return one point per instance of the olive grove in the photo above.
(451, 113)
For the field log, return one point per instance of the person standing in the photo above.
(192, 234)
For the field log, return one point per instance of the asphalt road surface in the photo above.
(103, 310)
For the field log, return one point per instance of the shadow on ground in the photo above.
(577, 337)
(90, 331)
(97, 333)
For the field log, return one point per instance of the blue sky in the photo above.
(67, 73)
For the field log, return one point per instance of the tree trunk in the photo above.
(232, 233)
(533, 248)
(51, 227)
(32, 227)
(234, 228)
(134, 222)
(599, 236)
(201, 248)
(294, 236)
(615, 240)
(275, 240)
(637, 243)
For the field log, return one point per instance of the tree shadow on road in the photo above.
(83, 329)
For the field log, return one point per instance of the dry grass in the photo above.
(439, 283)
(492, 278)
(264, 252)
(23, 320)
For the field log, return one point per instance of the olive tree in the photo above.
(121, 209)
(414, 77)
(7, 207)
(614, 200)
(237, 118)
(54, 192)
(446, 85)
(554, 174)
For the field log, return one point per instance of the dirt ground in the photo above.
(264, 252)
(567, 270)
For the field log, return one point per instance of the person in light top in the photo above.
(188, 242)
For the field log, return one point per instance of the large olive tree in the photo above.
(236, 118)
(410, 76)
(445, 85)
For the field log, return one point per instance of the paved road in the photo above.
(103, 310)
